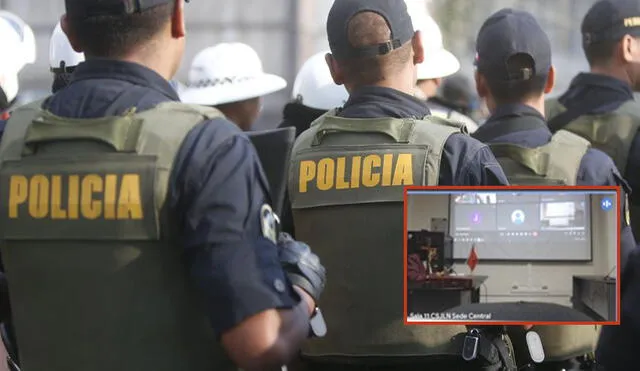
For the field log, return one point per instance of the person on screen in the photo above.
(513, 74)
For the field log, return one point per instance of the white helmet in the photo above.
(60, 50)
(25, 33)
(438, 62)
(314, 86)
(13, 60)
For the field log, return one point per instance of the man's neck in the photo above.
(537, 104)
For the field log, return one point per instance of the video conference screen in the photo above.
(522, 226)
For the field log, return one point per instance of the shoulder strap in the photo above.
(16, 129)
(560, 159)
(566, 151)
(435, 132)
(122, 133)
(566, 117)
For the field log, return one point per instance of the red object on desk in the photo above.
(472, 260)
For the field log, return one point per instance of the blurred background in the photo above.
(286, 32)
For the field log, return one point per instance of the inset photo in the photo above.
(512, 255)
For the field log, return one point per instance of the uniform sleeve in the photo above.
(632, 172)
(218, 190)
(467, 162)
(598, 169)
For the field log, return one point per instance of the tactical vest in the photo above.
(346, 188)
(556, 163)
(613, 133)
(95, 277)
(452, 115)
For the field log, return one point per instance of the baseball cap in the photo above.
(95, 8)
(610, 20)
(506, 34)
(342, 12)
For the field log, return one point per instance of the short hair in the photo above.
(117, 35)
(367, 29)
(518, 91)
(600, 53)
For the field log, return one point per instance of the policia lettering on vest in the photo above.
(370, 173)
(87, 197)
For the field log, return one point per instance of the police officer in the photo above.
(144, 217)
(314, 93)
(600, 105)
(439, 63)
(230, 77)
(63, 60)
(514, 71)
(346, 187)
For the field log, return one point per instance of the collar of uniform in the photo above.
(377, 101)
(592, 80)
(502, 123)
(97, 69)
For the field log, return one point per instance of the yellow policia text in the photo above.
(73, 197)
(389, 170)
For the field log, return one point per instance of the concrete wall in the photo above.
(529, 278)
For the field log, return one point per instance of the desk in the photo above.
(595, 296)
(426, 297)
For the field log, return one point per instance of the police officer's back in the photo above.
(600, 105)
(514, 71)
(348, 174)
(137, 232)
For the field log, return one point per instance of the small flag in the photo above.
(472, 260)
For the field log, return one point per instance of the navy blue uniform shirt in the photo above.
(596, 169)
(216, 190)
(605, 94)
(465, 161)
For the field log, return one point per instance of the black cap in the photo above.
(342, 12)
(610, 20)
(508, 33)
(95, 8)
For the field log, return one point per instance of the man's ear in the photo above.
(64, 24)
(334, 68)
(481, 86)
(418, 48)
(551, 81)
(178, 26)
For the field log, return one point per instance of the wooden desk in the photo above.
(595, 296)
(430, 297)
